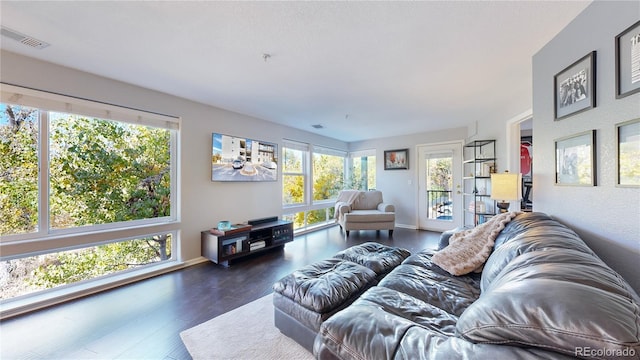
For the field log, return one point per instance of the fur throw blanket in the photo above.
(469, 249)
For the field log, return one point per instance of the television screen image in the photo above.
(241, 159)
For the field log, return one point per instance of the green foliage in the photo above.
(100, 172)
(439, 174)
(107, 172)
(328, 176)
(363, 173)
(18, 170)
(293, 178)
(78, 265)
(328, 180)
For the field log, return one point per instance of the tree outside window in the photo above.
(100, 172)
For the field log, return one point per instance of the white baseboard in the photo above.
(195, 261)
(405, 226)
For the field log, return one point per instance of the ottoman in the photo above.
(305, 298)
(377, 257)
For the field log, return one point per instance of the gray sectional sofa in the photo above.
(542, 294)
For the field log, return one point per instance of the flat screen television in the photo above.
(240, 159)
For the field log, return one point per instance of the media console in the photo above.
(221, 247)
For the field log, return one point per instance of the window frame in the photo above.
(357, 155)
(304, 171)
(320, 150)
(82, 236)
(309, 204)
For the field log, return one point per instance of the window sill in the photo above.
(50, 297)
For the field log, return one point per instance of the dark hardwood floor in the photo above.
(144, 320)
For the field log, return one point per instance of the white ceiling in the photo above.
(363, 70)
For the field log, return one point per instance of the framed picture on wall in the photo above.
(628, 164)
(628, 61)
(576, 159)
(396, 159)
(575, 87)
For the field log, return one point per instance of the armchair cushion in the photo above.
(367, 216)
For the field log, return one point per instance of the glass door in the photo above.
(440, 190)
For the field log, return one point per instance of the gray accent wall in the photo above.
(607, 217)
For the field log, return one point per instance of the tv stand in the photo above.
(223, 247)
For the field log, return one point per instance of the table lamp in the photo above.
(505, 187)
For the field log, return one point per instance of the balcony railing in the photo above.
(440, 205)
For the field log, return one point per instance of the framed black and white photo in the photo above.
(396, 159)
(576, 159)
(628, 164)
(575, 87)
(628, 61)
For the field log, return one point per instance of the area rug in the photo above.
(247, 333)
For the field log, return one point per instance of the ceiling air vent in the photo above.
(27, 40)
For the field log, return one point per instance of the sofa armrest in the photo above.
(386, 207)
(342, 208)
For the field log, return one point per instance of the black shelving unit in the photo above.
(479, 162)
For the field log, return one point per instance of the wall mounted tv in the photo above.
(240, 159)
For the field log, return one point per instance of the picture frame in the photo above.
(628, 61)
(628, 153)
(396, 159)
(575, 87)
(576, 159)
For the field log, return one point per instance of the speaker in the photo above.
(262, 220)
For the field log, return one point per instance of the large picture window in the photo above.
(294, 173)
(312, 177)
(105, 171)
(70, 169)
(328, 173)
(363, 170)
(19, 138)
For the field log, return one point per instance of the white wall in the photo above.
(400, 187)
(607, 217)
(203, 202)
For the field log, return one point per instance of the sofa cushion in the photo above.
(526, 222)
(420, 278)
(375, 256)
(367, 216)
(565, 265)
(364, 330)
(557, 299)
(555, 315)
(373, 325)
(538, 238)
(421, 343)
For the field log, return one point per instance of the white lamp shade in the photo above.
(505, 186)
